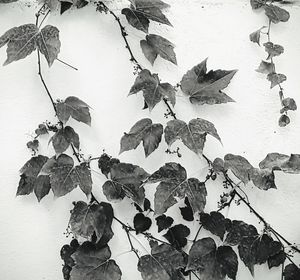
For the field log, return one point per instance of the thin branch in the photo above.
(197, 234)
(131, 245)
(67, 64)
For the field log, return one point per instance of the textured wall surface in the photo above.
(31, 234)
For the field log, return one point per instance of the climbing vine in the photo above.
(88, 256)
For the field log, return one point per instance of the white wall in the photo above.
(31, 234)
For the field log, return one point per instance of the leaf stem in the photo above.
(67, 64)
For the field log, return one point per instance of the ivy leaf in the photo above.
(155, 45)
(263, 179)
(218, 165)
(206, 87)
(144, 130)
(127, 179)
(177, 235)
(277, 259)
(239, 166)
(187, 211)
(29, 174)
(149, 4)
(106, 162)
(136, 19)
(289, 104)
(48, 43)
(276, 14)
(94, 263)
(64, 6)
(41, 130)
(284, 120)
(153, 90)
(276, 79)
(163, 222)
(42, 186)
(214, 222)
(291, 272)
(65, 177)
(256, 4)
(163, 263)
(113, 191)
(193, 135)
(173, 183)
(141, 223)
(21, 42)
(86, 219)
(273, 49)
(285, 163)
(211, 262)
(265, 67)
(255, 36)
(238, 231)
(63, 138)
(75, 108)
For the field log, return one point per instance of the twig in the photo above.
(67, 64)
(197, 234)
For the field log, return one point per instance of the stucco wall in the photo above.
(31, 234)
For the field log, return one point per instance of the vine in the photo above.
(88, 255)
(275, 15)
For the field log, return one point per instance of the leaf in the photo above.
(30, 180)
(212, 263)
(255, 36)
(113, 191)
(21, 42)
(63, 138)
(48, 43)
(173, 183)
(192, 135)
(239, 166)
(157, 45)
(265, 67)
(144, 131)
(75, 108)
(7, 1)
(214, 222)
(177, 235)
(94, 264)
(273, 49)
(41, 130)
(51, 4)
(283, 121)
(206, 87)
(276, 79)
(287, 164)
(136, 19)
(65, 177)
(42, 186)
(130, 178)
(263, 179)
(163, 222)
(163, 264)
(86, 219)
(256, 4)
(291, 272)
(277, 259)
(141, 223)
(218, 165)
(289, 104)
(153, 90)
(276, 14)
(149, 4)
(187, 211)
(238, 231)
(33, 145)
(105, 163)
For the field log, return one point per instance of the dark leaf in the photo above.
(276, 161)
(65, 177)
(33, 145)
(42, 186)
(42, 129)
(155, 45)
(228, 261)
(247, 251)
(75, 108)
(276, 14)
(105, 163)
(283, 121)
(273, 49)
(7, 1)
(187, 211)
(63, 138)
(264, 179)
(291, 272)
(149, 4)
(218, 165)
(288, 104)
(86, 219)
(177, 235)
(277, 259)
(144, 130)
(141, 223)
(163, 222)
(206, 87)
(215, 222)
(136, 19)
(163, 263)
(94, 264)
(113, 191)
(276, 79)
(256, 4)
(64, 6)
(193, 135)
